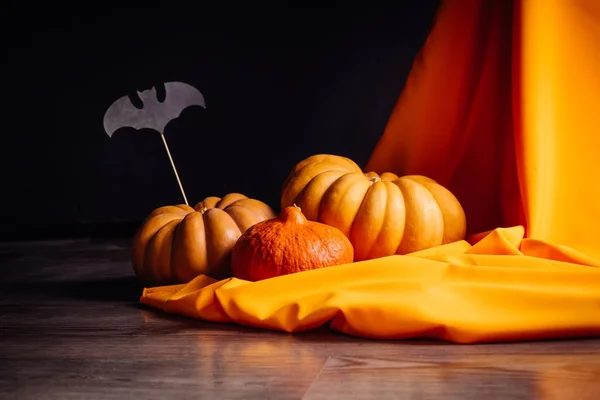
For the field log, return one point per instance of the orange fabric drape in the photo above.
(499, 107)
(453, 121)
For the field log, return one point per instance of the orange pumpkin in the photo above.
(288, 244)
(380, 214)
(176, 243)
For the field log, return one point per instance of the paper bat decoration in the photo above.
(154, 114)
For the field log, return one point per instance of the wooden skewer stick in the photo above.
(174, 169)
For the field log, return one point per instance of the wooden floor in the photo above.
(71, 328)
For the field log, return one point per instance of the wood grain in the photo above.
(466, 377)
(71, 327)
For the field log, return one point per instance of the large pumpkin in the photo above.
(380, 214)
(176, 243)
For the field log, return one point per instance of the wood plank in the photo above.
(180, 376)
(468, 377)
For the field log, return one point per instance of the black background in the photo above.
(279, 86)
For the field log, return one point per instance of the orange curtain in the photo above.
(453, 121)
(500, 108)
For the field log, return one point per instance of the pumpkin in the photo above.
(288, 244)
(381, 214)
(176, 243)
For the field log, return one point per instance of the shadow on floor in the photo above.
(122, 289)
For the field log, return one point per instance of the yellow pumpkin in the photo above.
(176, 243)
(381, 214)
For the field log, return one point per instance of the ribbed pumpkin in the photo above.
(380, 214)
(176, 243)
(288, 244)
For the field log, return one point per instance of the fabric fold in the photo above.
(458, 297)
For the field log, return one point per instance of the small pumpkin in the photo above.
(176, 243)
(381, 214)
(288, 244)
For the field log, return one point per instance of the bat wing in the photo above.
(122, 113)
(179, 96)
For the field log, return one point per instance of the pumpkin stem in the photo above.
(374, 179)
(293, 214)
(203, 210)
